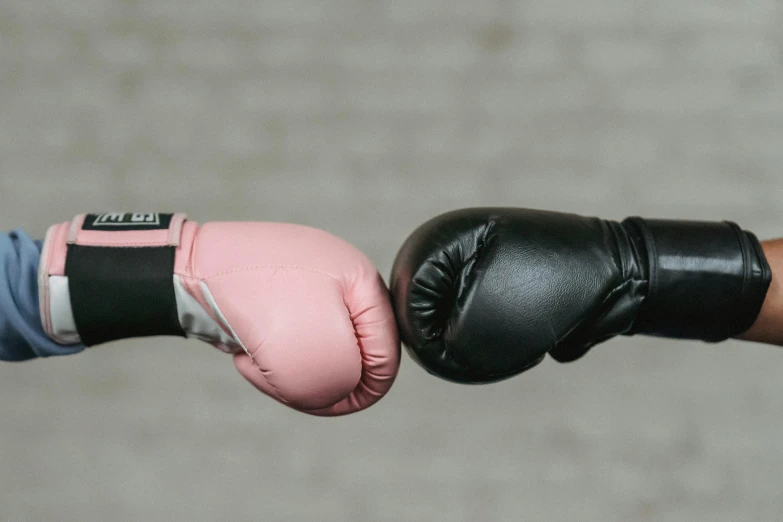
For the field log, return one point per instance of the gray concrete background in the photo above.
(365, 119)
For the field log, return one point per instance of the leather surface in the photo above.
(707, 280)
(310, 312)
(483, 294)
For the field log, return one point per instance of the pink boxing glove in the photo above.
(306, 315)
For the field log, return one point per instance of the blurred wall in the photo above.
(367, 118)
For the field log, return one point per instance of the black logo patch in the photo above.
(127, 221)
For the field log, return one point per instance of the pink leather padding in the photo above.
(311, 310)
(55, 249)
(52, 262)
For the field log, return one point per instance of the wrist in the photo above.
(768, 326)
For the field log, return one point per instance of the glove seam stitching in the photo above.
(256, 267)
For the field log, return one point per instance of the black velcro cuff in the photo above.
(118, 292)
(707, 280)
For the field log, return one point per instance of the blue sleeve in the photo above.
(22, 335)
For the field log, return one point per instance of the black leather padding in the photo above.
(118, 293)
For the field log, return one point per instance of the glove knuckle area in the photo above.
(431, 270)
(458, 316)
(298, 332)
(378, 341)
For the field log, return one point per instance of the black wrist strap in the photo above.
(122, 292)
(707, 280)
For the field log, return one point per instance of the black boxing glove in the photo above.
(484, 294)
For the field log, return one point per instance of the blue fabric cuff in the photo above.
(22, 335)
